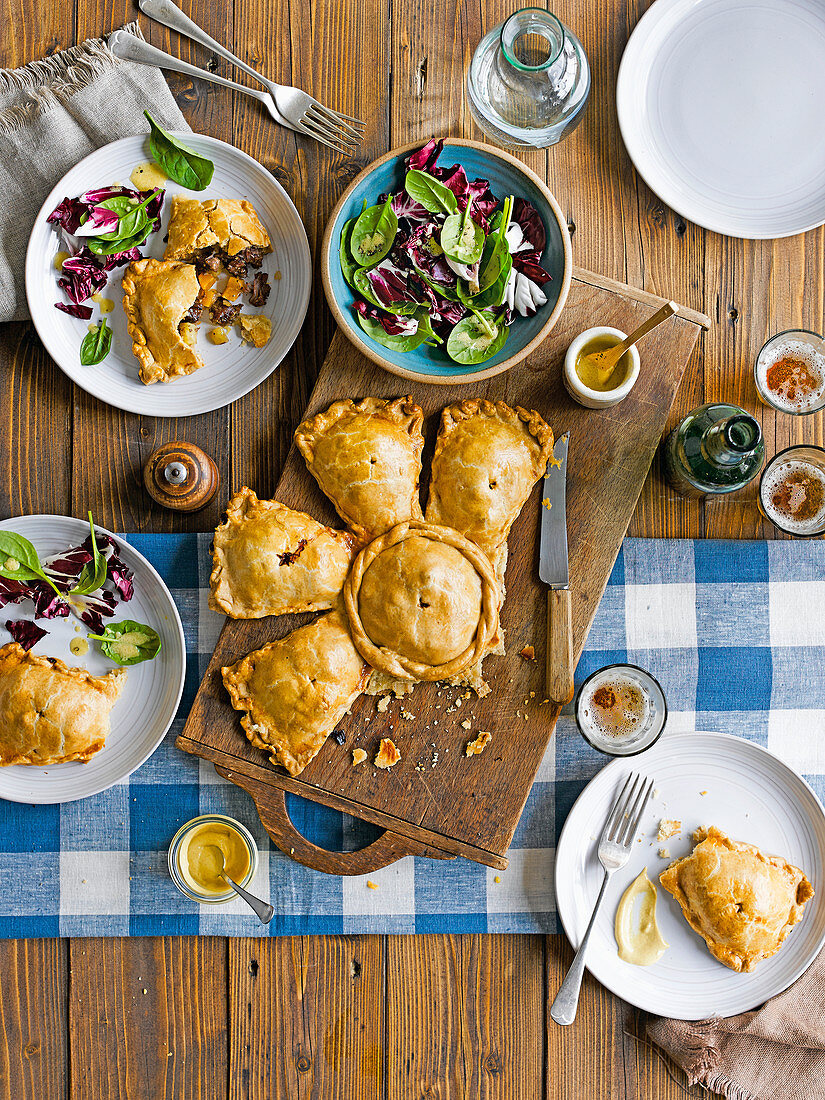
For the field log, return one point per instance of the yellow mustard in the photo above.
(638, 936)
(148, 176)
(589, 376)
(209, 849)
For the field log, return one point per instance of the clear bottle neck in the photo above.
(532, 41)
(731, 440)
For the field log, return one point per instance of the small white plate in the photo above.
(230, 370)
(752, 796)
(720, 105)
(150, 697)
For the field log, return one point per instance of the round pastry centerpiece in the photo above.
(422, 602)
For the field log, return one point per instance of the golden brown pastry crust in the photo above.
(295, 690)
(50, 712)
(366, 456)
(422, 603)
(271, 560)
(487, 459)
(157, 295)
(742, 902)
(232, 224)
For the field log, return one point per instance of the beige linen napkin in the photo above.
(776, 1052)
(53, 113)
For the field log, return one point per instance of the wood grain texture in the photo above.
(148, 1018)
(33, 1019)
(308, 1018)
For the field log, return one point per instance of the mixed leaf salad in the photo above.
(86, 581)
(443, 262)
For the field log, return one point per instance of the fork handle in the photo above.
(129, 48)
(170, 15)
(564, 1007)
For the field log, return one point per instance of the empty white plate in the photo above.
(149, 698)
(721, 106)
(701, 779)
(230, 370)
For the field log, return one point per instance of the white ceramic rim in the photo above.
(627, 83)
(566, 838)
(605, 398)
(293, 323)
(179, 636)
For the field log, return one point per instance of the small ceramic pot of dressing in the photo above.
(620, 383)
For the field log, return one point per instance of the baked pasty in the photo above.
(230, 224)
(422, 603)
(50, 712)
(158, 297)
(487, 459)
(294, 691)
(366, 456)
(742, 902)
(271, 560)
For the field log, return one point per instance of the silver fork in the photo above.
(300, 110)
(614, 851)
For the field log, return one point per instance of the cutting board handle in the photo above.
(386, 849)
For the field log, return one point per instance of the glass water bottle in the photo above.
(528, 81)
(717, 448)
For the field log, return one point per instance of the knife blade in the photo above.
(553, 565)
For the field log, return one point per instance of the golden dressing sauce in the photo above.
(106, 304)
(79, 646)
(148, 176)
(589, 376)
(59, 258)
(199, 857)
(638, 936)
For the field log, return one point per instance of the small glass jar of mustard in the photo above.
(204, 847)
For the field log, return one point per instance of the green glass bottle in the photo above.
(717, 448)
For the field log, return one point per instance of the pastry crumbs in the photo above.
(668, 828)
(383, 703)
(528, 653)
(474, 748)
(387, 755)
(358, 756)
(372, 885)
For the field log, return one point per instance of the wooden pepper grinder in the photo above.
(181, 476)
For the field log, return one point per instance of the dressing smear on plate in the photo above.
(637, 933)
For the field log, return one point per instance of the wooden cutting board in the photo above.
(436, 801)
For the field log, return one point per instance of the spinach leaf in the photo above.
(477, 338)
(376, 330)
(373, 234)
(428, 191)
(119, 244)
(94, 573)
(133, 227)
(178, 161)
(96, 344)
(348, 265)
(496, 264)
(128, 642)
(19, 560)
(364, 288)
(462, 239)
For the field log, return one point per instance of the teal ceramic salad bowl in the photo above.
(507, 176)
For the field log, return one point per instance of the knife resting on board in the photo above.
(554, 572)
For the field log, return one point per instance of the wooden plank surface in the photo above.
(437, 1017)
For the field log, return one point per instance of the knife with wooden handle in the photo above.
(554, 572)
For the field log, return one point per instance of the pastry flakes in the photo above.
(157, 298)
(742, 902)
(422, 603)
(294, 691)
(50, 712)
(271, 560)
(487, 459)
(231, 224)
(366, 456)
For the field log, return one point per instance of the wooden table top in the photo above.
(378, 1016)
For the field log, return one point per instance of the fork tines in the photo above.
(626, 814)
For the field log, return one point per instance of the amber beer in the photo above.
(620, 710)
(792, 491)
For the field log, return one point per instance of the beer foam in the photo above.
(805, 353)
(620, 722)
(784, 517)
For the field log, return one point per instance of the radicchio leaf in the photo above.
(392, 324)
(389, 285)
(406, 207)
(83, 313)
(25, 632)
(421, 251)
(82, 276)
(68, 214)
(532, 227)
(529, 266)
(424, 159)
(65, 568)
(484, 201)
(456, 179)
(118, 259)
(91, 609)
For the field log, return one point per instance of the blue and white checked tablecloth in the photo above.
(734, 631)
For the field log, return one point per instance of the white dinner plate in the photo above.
(230, 370)
(720, 105)
(150, 696)
(701, 779)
